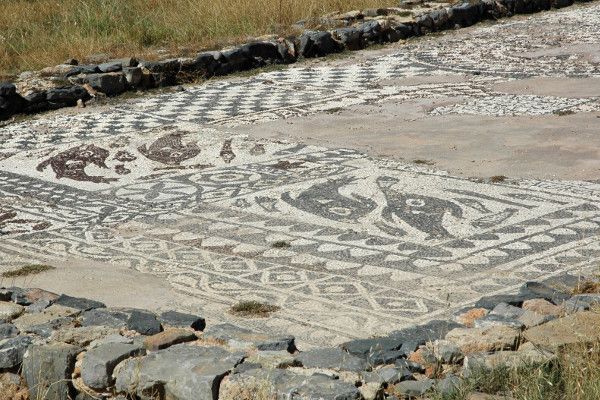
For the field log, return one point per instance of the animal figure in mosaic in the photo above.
(170, 150)
(71, 163)
(424, 213)
(325, 200)
(227, 153)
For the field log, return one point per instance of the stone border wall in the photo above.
(58, 347)
(82, 82)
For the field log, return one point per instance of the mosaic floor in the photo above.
(348, 245)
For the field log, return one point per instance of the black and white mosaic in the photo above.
(348, 245)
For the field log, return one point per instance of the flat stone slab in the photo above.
(580, 328)
(226, 191)
(168, 338)
(47, 370)
(98, 363)
(185, 372)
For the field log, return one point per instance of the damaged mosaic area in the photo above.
(160, 185)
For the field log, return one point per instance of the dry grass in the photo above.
(253, 309)
(587, 287)
(35, 34)
(574, 375)
(27, 270)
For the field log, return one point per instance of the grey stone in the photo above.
(447, 352)
(493, 338)
(413, 337)
(83, 335)
(112, 338)
(414, 388)
(508, 311)
(576, 329)
(111, 66)
(364, 347)
(241, 338)
(54, 315)
(38, 306)
(410, 365)
(98, 364)
(505, 359)
(12, 350)
(555, 290)
(47, 370)
(283, 384)
(140, 321)
(181, 372)
(332, 358)
(581, 302)
(111, 83)
(46, 329)
(516, 300)
(448, 386)
(82, 69)
(8, 330)
(384, 357)
(388, 375)
(79, 303)
(495, 320)
(176, 319)
(512, 314)
(9, 311)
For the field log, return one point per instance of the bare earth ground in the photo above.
(297, 187)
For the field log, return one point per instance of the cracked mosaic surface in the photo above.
(159, 185)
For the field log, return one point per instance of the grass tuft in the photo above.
(498, 178)
(26, 270)
(281, 244)
(253, 309)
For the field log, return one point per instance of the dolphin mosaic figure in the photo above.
(424, 213)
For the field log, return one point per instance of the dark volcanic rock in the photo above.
(350, 37)
(140, 321)
(181, 320)
(317, 44)
(10, 101)
(79, 303)
(332, 358)
(467, 14)
(66, 96)
(111, 84)
(237, 337)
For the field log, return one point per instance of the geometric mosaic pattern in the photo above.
(348, 245)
